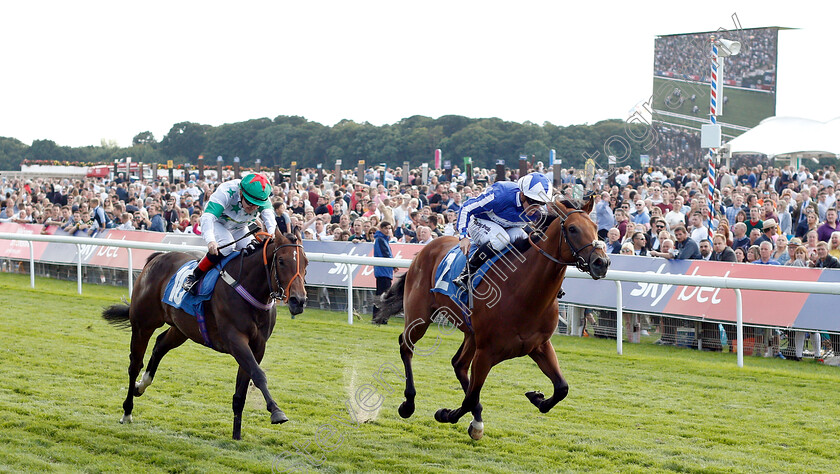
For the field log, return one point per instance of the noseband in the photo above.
(578, 261)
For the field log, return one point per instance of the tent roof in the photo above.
(776, 136)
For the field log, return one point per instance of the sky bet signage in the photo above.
(798, 310)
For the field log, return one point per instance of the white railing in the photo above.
(131, 244)
(618, 276)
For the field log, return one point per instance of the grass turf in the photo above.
(653, 409)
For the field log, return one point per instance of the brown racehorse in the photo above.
(234, 325)
(519, 320)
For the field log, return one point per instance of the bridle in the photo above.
(281, 292)
(578, 261)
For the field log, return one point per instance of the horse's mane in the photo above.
(553, 214)
(152, 257)
(257, 245)
(572, 203)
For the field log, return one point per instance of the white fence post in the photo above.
(816, 341)
(79, 266)
(130, 273)
(349, 293)
(31, 264)
(739, 326)
(619, 319)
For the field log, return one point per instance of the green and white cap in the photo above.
(256, 189)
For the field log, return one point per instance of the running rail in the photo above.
(736, 284)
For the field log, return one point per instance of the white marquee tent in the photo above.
(790, 137)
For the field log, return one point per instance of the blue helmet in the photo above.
(537, 187)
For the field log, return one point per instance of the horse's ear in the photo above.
(297, 233)
(555, 208)
(279, 238)
(587, 208)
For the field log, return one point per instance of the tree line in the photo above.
(284, 139)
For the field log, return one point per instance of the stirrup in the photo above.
(190, 284)
(462, 281)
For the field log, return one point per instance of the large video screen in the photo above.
(682, 80)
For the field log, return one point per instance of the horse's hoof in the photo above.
(278, 417)
(535, 397)
(237, 437)
(442, 415)
(476, 430)
(406, 409)
(125, 419)
(142, 384)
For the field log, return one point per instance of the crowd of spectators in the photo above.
(89, 205)
(773, 215)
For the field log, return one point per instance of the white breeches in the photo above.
(482, 231)
(225, 236)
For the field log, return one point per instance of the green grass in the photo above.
(653, 409)
(745, 107)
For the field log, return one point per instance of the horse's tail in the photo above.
(391, 302)
(117, 315)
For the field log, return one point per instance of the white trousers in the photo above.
(799, 343)
(482, 231)
(225, 236)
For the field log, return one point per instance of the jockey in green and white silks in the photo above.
(234, 205)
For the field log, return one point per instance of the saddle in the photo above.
(450, 268)
(177, 297)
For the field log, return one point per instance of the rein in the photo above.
(579, 262)
(281, 293)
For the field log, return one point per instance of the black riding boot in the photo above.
(190, 284)
(481, 255)
(191, 281)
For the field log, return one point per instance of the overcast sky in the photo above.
(80, 71)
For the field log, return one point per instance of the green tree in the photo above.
(236, 139)
(474, 141)
(12, 153)
(283, 139)
(452, 124)
(144, 138)
(47, 150)
(538, 149)
(185, 139)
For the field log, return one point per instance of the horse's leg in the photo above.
(166, 341)
(414, 330)
(241, 351)
(242, 379)
(241, 391)
(546, 359)
(139, 341)
(481, 365)
(461, 364)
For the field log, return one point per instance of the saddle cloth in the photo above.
(176, 297)
(452, 265)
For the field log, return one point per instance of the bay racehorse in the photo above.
(514, 313)
(234, 325)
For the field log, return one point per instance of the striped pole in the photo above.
(713, 101)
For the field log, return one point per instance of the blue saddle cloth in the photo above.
(176, 297)
(451, 266)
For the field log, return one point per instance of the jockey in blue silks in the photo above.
(496, 217)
